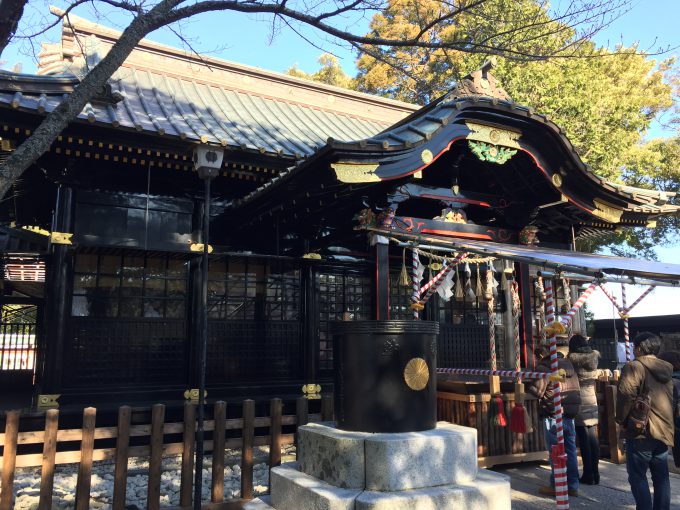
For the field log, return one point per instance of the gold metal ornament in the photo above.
(556, 180)
(426, 156)
(607, 212)
(48, 401)
(416, 374)
(311, 391)
(356, 172)
(192, 395)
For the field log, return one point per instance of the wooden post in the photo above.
(327, 407)
(616, 454)
(121, 458)
(85, 467)
(275, 410)
(247, 449)
(494, 385)
(217, 489)
(187, 475)
(153, 492)
(49, 455)
(382, 280)
(302, 415)
(9, 458)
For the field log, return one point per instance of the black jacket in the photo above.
(570, 389)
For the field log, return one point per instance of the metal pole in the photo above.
(202, 349)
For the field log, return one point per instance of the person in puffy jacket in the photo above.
(673, 357)
(647, 450)
(571, 401)
(585, 360)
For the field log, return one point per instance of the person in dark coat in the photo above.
(673, 357)
(647, 450)
(571, 401)
(585, 360)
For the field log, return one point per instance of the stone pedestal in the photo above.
(341, 470)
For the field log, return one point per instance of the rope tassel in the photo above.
(497, 412)
(404, 278)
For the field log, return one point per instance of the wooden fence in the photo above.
(155, 448)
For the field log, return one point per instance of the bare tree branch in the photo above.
(321, 15)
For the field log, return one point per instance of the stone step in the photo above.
(446, 455)
(489, 491)
(292, 489)
(261, 503)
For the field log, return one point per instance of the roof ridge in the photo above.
(76, 24)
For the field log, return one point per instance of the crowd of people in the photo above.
(647, 409)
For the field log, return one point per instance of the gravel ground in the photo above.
(27, 481)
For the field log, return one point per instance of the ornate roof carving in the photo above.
(479, 83)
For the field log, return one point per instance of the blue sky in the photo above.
(253, 41)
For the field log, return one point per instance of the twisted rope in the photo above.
(511, 374)
(416, 284)
(559, 456)
(492, 317)
(626, 330)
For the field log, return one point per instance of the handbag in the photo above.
(638, 417)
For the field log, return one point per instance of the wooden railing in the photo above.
(497, 445)
(155, 450)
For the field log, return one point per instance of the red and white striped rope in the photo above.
(612, 298)
(492, 318)
(540, 289)
(626, 329)
(569, 316)
(642, 296)
(440, 277)
(524, 374)
(441, 274)
(514, 289)
(561, 488)
(416, 284)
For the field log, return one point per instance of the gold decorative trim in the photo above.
(311, 391)
(60, 238)
(418, 174)
(36, 230)
(48, 401)
(606, 211)
(493, 135)
(426, 156)
(416, 374)
(556, 180)
(6, 145)
(356, 172)
(199, 247)
(651, 224)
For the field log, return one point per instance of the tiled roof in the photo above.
(170, 93)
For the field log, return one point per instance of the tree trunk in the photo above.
(10, 14)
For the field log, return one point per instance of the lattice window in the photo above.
(126, 352)
(129, 286)
(249, 289)
(400, 299)
(342, 296)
